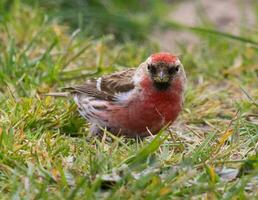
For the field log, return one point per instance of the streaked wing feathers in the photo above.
(109, 86)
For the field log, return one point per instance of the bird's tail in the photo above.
(58, 94)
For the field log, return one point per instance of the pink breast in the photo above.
(153, 110)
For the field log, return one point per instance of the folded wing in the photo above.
(106, 87)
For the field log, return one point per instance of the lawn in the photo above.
(211, 151)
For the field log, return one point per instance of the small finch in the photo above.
(134, 102)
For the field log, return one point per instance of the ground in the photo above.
(45, 152)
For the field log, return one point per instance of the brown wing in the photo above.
(118, 82)
(107, 86)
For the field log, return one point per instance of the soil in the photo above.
(226, 15)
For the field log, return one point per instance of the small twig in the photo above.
(194, 132)
(57, 94)
(249, 97)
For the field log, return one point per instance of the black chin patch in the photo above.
(161, 85)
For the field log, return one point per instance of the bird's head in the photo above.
(163, 69)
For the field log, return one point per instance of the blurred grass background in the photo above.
(209, 153)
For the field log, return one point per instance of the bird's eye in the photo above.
(177, 68)
(173, 70)
(152, 69)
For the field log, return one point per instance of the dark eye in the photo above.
(173, 70)
(177, 68)
(152, 69)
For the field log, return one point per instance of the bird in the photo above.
(135, 102)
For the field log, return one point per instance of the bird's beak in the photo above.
(161, 77)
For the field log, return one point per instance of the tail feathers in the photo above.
(58, 94)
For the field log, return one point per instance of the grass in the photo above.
(210, 152)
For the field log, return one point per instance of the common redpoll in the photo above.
(134, 102)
